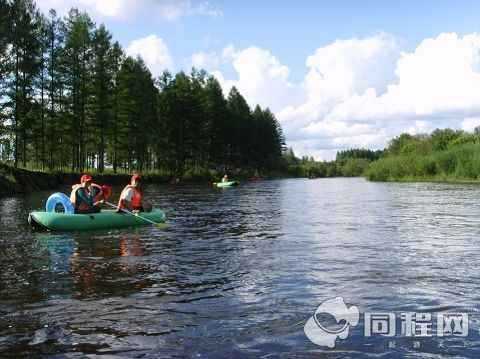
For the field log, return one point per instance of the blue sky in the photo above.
(338, 74)
(295, 29)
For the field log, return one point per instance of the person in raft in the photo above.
(225, 179)
(87, 196)
(131, 198)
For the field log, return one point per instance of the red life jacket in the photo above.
(84, 206)
(100, 195)
(136, 201)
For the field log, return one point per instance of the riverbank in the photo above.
(435, 179)
(14, 181)
(444, 156)
(21, 181)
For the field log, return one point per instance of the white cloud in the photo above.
(112, 8)
(349, 67)
(125, 9)
(212, 61)
(261, 78)
(206, 60)
(363, 92)
(346, 71)
(438, 85)
(154, 52)
(470, 123)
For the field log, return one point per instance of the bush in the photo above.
(462, 162)
(354, 167)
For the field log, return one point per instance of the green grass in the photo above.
(457, 164)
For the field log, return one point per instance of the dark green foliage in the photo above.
(205, 130)
(348, 163)
(444, 155)
(103, 72)
(358, 153)
(354, 167)
(21, 64)
(4, 24)
(71, 100)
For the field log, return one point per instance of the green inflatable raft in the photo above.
(80, 222)
(227, 184)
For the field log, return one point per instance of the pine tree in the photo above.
(239, 125)
(103, 72)
(216, 113)
(116, 59)
(5, 26)
(55, 109)
(21, 67)
(76, 57)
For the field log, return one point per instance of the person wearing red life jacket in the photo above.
(87, 196)
(131, 198)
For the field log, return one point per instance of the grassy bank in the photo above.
(443, 156)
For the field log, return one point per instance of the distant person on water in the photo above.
(87, 196)
(131, 198)
(225, 178)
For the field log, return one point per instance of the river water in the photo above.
(239, 271)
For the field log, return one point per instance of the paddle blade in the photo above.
(163, 225)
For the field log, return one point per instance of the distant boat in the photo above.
(226, 184)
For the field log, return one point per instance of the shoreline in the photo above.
(15, 181)
(21, 181)
(428, 180)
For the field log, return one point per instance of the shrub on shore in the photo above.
(461, 162)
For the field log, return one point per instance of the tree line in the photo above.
(348, 163)
(71, 99)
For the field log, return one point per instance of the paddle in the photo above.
(159, 225)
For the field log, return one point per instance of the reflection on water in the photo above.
(77, 267)
(239, 271)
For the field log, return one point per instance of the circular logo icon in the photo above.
(331, 320)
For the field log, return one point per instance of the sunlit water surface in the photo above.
(239, 271)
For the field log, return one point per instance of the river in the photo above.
(239, 271)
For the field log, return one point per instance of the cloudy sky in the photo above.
(337, 74)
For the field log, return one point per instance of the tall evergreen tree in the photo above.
(116, 60)
(103, 73)
(217, 115)
(240, 122)
(136, 113)
(5, 25)
(54, 40)
(76, 65)
(21, 69)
